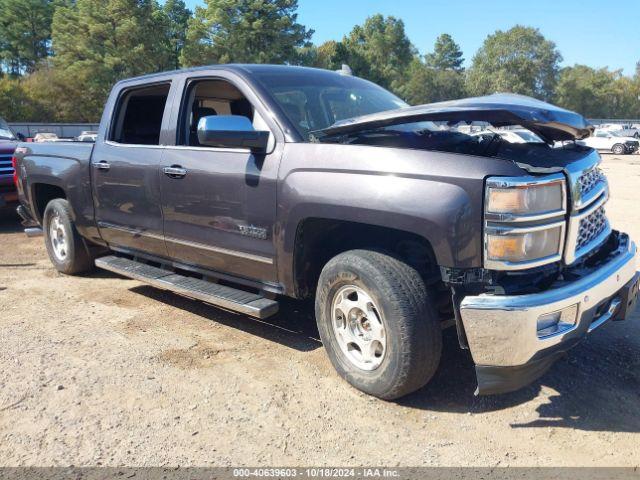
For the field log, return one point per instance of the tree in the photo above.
(177, 17)
(25, 34)
(329, 55)
(379, 50)
(446, 54)
(245, 31)
(98, 42)
(519, 60)
(598, 93)
(425, 84)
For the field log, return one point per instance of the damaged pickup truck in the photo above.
(238, 184)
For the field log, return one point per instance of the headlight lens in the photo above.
(514, 247)
(524, 221)
(526, 200)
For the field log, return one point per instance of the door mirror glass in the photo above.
(231, 131)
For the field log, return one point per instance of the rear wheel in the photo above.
(66, 248)
(377, 323)
(618, 149)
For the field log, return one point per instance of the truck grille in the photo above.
(590, 227)
(6, 168)
(589, 180)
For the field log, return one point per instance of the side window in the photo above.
(139, 112)
(205, 98)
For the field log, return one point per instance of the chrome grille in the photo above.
(590, 227)
(6, 168)
(589, 180)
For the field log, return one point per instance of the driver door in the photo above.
(219, 204)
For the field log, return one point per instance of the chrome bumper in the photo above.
(502, 331)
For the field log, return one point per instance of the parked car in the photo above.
(611, 141)
(45, 137)
(299, 182)
(629, 131)
(8, 142)
(87, 136)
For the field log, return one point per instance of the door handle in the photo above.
(175, 171)
(102, 165)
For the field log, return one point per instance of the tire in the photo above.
(400, 303)
(618, 149)
(66, 248)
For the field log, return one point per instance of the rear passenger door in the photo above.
(220, 214)
(124, 169)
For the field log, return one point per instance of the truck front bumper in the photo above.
(506, 334)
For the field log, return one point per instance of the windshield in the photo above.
(313, 100)
(5, 131)
(619, 133)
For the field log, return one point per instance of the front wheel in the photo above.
(618, 149)
(65, 246)
(377, 323)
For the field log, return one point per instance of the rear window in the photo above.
(139, 115)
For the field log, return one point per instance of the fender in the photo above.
(437, 196)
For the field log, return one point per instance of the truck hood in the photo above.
(549, 122)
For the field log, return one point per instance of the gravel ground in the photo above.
(100, 370)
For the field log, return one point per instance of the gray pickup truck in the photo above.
(238, 184)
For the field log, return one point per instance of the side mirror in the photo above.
(21, 137)
(231, 131)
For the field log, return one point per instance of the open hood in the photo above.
(549, 122)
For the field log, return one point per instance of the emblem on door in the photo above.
(252, 231)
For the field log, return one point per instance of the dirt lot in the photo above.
(100, 370)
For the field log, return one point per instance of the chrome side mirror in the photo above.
(231, 131)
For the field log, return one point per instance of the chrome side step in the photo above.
(222, 296)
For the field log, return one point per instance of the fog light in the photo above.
(557, 322)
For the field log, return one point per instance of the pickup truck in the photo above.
(239, 184)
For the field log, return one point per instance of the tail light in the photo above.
(14, 164)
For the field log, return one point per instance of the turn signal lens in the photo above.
(523, 247)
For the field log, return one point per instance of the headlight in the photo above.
(508, 200)
(524, 221)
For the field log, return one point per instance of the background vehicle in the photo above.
(629, 131)
(87, 136)
(8, 142)
(612, 141)
(292, 181)
(45, 137)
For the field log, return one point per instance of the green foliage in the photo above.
(379, 50)
(519, 60)
(98, 42)
(425, 84)
(176, 17)
(63, 56)
(598, 93)
(446, 54)
(25, 34)
(245, 31)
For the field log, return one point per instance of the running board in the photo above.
(219, 295)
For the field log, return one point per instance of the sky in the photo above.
(591, 32)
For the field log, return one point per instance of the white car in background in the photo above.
(45, 137)
(611, 141)
(87, 136)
